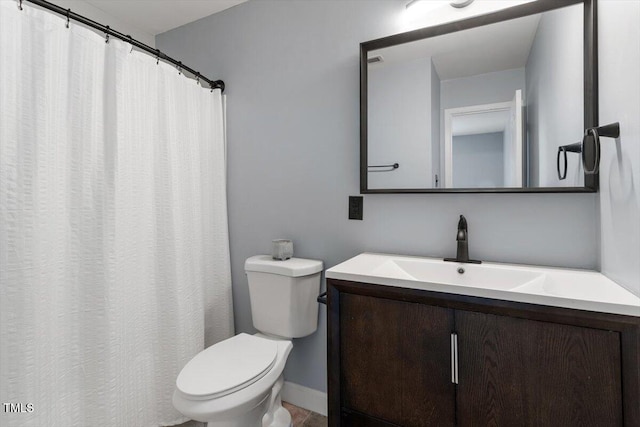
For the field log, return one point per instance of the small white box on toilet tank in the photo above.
(283, 295)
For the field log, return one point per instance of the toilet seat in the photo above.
(227, 367)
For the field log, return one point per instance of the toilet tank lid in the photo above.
(293, 267)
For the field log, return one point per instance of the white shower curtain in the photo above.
(114, 254)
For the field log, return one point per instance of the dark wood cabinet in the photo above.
(515, 372)
(393, 362)
(394, 351)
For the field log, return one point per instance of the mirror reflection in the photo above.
(486, 107)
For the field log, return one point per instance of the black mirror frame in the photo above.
(590, 47)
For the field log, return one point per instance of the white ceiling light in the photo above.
(461, 3)
(432, 4)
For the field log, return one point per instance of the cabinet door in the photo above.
(516, 372)
(396, 361)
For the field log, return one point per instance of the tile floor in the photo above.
(300, 417)
(304, 418)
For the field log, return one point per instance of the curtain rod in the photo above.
(213, 84)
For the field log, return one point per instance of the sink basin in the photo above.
(570, 288)
(594, 287)
(473, 275)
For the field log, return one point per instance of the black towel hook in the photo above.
(563, 150)
(608, 131)
(322, 298)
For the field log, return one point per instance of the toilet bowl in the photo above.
(238, 382)
(214, 388)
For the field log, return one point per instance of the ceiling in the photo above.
(158, 16)
(501, 46)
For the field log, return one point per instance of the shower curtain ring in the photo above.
(157, 56)
(198, 78)
(106, 39)
(131, 43)
(68, 17)
(180, 68)
(19, 4)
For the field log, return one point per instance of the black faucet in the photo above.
(463, 244)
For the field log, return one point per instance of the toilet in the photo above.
(238, 382)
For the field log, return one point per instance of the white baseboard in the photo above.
(305, 397)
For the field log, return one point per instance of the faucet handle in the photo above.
(462, 224)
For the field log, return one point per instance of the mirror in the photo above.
(493, 103)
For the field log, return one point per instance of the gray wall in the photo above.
(489, 88)
(619, 68)
(291, 69)
(554, 96)
(478, 160)
(435, 126)
(400, 123)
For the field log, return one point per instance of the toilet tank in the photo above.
(283, 295)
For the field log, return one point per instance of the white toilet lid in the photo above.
(227, 366)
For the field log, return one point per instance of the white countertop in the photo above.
(558, 287)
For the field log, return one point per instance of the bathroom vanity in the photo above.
(421, 342)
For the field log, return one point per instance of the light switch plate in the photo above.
(355, 207)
